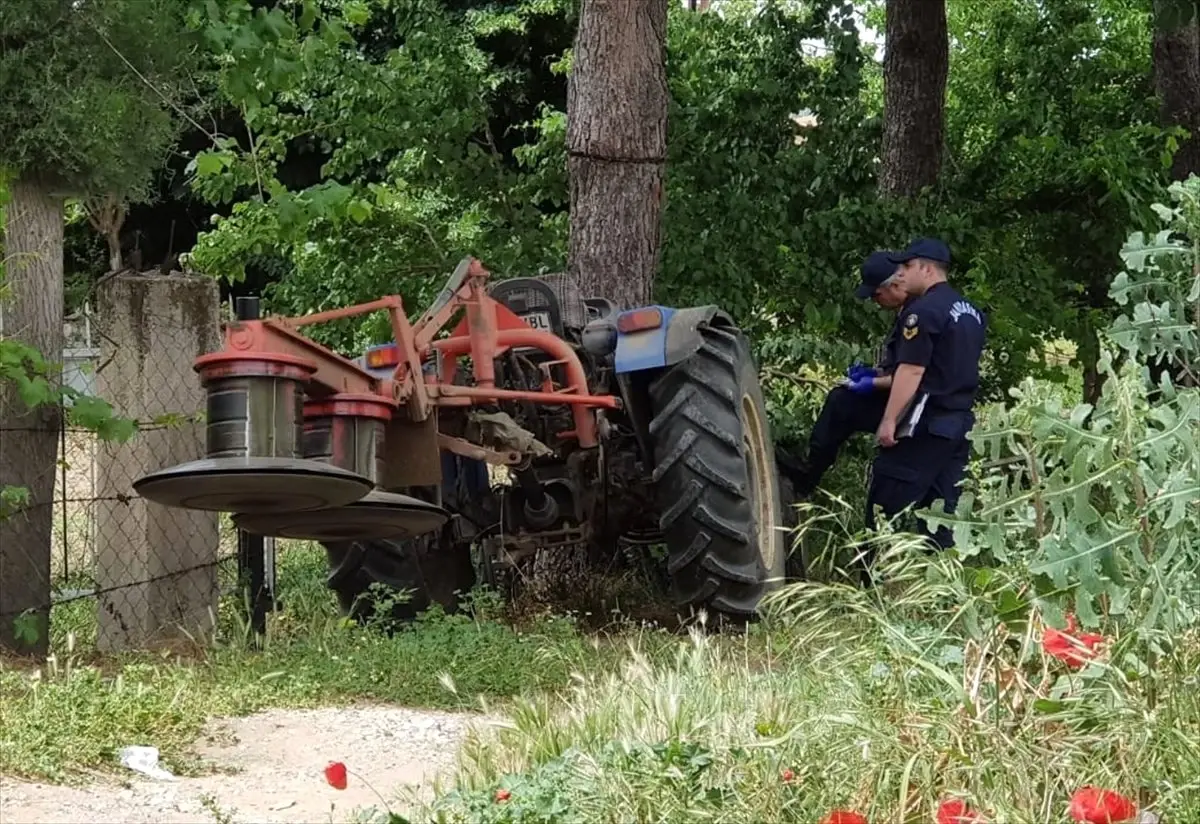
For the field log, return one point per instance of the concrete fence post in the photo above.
(156, 566)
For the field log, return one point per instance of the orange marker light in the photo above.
(381, 356)
(639, 320)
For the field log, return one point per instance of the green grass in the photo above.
(880, 702)
(73, 714)
(883, 701)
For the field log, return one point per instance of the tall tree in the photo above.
(85, 93)
(916, 62)
(1177, 77)
(617, 102)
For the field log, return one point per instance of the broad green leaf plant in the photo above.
(1099, 504)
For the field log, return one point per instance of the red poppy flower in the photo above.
(844, 817)
(956, 811)
(1071, 648)
(788, 776)
(502, 796)
(1092, 805)
(335, 774)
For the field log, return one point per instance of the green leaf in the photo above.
(359, 210)
(356, 12)
(212, 163)
(1047, 706)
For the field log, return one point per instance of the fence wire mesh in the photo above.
(82, 510)
(124, 573)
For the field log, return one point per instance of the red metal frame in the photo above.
(488, 330)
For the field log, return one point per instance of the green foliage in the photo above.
(883, 702)
(1054, 174)
(28, 371)
(1159, 293)
(1041, 180)
(87, 91)
(411, 175)
(1098, 502)
(31, 374)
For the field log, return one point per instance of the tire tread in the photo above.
(701, 482)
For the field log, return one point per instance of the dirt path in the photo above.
(269, 771)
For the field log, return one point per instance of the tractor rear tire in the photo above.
(430, 569)
(716, 483)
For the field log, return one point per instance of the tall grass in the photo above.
(70, 716)
(883, 700)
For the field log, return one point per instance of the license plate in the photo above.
(538, 320)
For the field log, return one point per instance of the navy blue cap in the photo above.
(877, 268)
(929, 248)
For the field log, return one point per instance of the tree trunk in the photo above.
(915, 63)
(31, 311)
(1176, 54)
(617, 102)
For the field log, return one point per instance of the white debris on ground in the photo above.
(266, 768)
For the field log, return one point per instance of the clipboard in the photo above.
(912, 414)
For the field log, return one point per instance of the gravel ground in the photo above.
(268, 770)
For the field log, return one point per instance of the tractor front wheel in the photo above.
(717, 487)
(367, 576)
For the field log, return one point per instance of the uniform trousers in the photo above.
(843, 415)
(921, 469)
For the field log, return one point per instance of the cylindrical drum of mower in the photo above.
(347, 431)
(255, 404)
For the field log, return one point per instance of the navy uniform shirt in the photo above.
(885, 355)
(943, 332)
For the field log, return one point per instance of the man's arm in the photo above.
(904, 385)
(913, 352)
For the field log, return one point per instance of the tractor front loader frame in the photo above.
(404, 401)
(488, 329)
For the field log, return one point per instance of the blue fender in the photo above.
(674, 340)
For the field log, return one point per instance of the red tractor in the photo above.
(618, 429)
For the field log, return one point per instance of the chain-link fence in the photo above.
(125, 573)
(78, 501)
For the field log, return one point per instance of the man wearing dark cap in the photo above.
(857, 404)
(928, 414)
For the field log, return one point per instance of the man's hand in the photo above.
(885, 435)
(863, 385)
(860, 370)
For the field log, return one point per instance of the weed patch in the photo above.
(883, 704)
(75, 712)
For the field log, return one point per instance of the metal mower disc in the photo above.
(253, 485)
(378, 516)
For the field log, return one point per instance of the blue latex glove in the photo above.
(863, 385)
(859, 371)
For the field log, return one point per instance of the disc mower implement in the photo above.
(254, 435)
(617, 431)
(347, 431)
(295, 439)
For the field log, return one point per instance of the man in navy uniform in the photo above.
(923, 431)
(856, 404)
